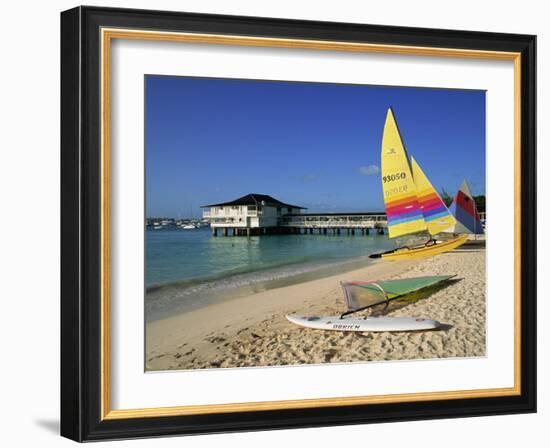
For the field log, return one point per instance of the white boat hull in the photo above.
(375, 324)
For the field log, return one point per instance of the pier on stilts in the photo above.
(330, 224)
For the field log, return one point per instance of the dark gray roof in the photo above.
(255, 199)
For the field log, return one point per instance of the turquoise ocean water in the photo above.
(187, 269)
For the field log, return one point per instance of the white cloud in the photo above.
(369, 170)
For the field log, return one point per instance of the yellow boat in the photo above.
(412, 253)
(413, 206)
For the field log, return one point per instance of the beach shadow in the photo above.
(51, 426)
(444, 327)
(414, 297)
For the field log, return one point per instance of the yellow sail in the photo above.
(400, 196)
(435, 212)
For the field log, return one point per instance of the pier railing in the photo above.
(360, 221)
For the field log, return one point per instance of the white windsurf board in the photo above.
(382, 323)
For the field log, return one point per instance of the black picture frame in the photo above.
(81, 381)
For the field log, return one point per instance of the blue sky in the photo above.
(311, 144)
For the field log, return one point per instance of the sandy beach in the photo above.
(253, 330)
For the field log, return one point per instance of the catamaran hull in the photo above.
(425, 251)
(370, 324)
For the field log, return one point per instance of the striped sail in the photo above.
(400, 197)
(465, 212)
(436, 214)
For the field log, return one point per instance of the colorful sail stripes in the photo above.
(402, 207)
(436, 214)
(403, 210)
(464, 210)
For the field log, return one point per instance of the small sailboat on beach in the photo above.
(465, 212)
(362, 296)
(413, 206)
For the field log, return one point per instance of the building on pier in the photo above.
(253, 214)
(260, 214)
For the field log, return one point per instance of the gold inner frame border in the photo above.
(107, 35)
